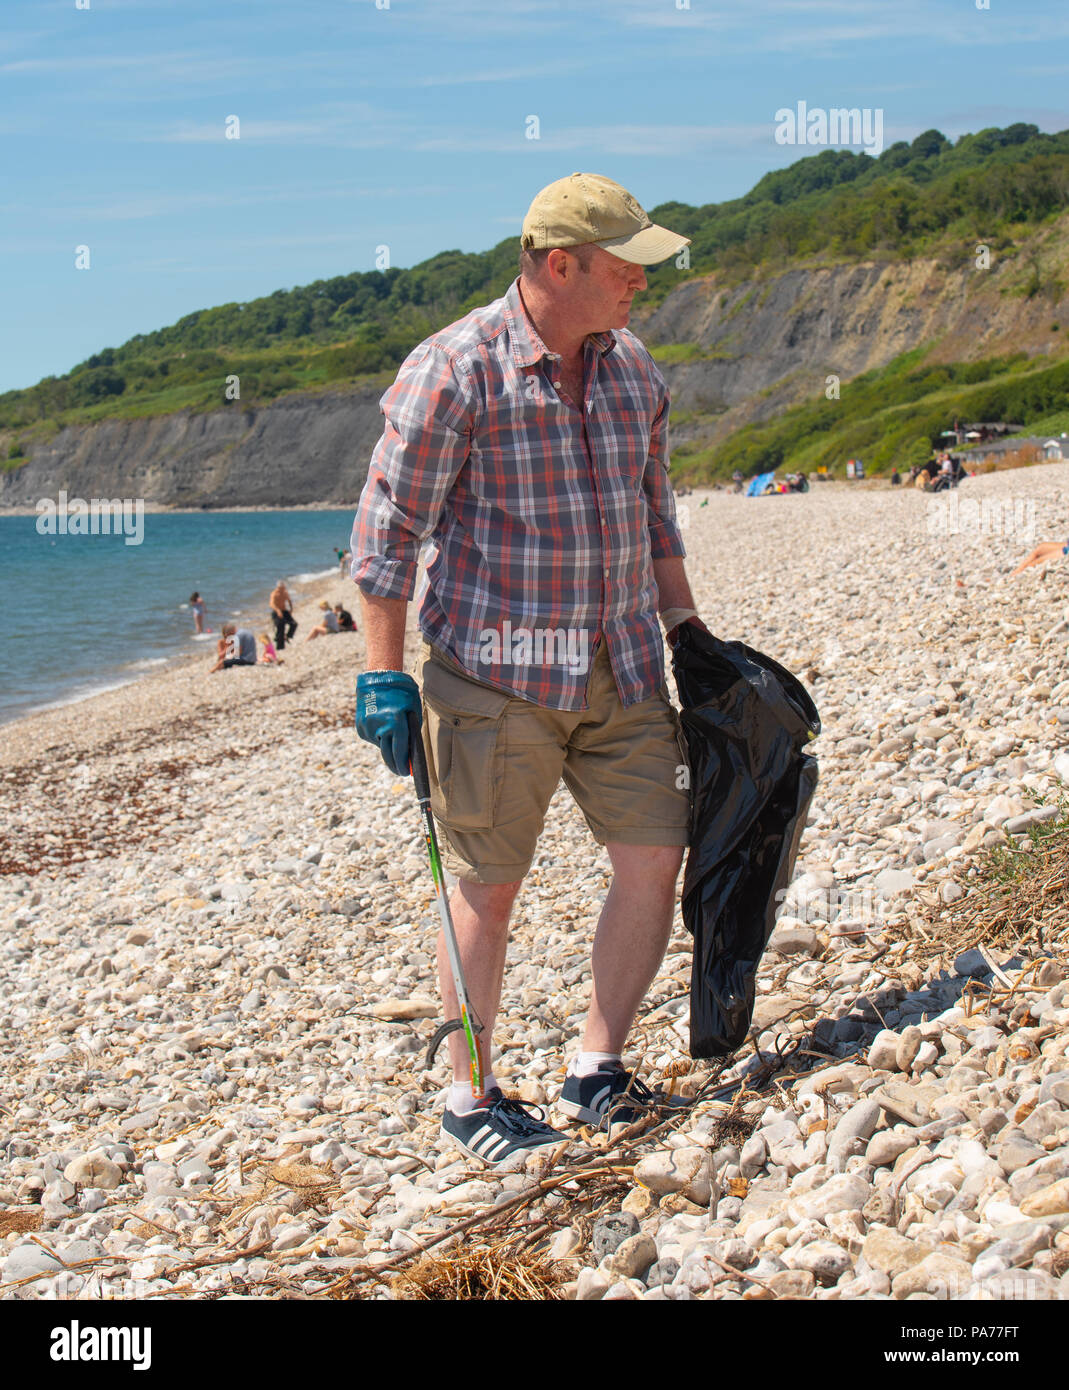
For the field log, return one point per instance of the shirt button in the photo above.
(606, 572)
(557, 385)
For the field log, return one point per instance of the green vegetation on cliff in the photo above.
(833, 207)
(888, 418)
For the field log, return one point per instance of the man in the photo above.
(238, 648)
(528, 443)
(282, 614)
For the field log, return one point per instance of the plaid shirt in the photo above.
(543, 520)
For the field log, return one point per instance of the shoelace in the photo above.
(514, 1117)
(630, 1091)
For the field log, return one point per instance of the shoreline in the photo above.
(158, 508)
(187, 665)
(319, 580)
(871, 482)
(174, 641)
(253, 614)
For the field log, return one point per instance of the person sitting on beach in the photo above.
(196, 604)
(1045, 551)
(269, 657)
(345, 619)
(326, 625)
(238, 648)
(945, 477)
(282, 614)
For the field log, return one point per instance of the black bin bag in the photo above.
(747, 722)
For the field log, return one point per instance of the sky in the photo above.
(422, 126)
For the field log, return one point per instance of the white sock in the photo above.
(587, 1063)
(461, 1098)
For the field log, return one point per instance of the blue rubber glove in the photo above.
(384, 701)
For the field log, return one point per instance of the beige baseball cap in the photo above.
(586, 208)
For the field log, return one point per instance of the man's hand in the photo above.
(384, 701)
(674, 633)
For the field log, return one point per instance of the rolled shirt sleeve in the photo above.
(665, 538)
(424, 445)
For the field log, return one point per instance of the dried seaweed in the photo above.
(481, 1272)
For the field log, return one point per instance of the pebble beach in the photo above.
(217, 933)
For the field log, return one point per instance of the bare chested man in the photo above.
(282, 614)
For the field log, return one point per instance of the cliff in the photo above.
(772, 343)
(294, 450)
(757, 347)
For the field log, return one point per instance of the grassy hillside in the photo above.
(835, 206)
(888, 417)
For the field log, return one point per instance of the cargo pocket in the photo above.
(464, 737)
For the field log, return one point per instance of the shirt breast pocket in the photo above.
(623, 443)
(526, 456)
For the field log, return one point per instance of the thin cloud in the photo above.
(283, 132)
(136, 207)
(556, 68)
(786, 25)
(348, 124)
(183, 65)
(608, 139)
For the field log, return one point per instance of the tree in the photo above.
(929, 144)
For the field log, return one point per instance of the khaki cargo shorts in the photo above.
(495, 761)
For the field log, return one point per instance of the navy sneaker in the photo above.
(499, 1129)
(609, 1096)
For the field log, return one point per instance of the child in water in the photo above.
(196, 604)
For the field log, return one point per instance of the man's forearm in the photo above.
(384, 631)
(673, 588)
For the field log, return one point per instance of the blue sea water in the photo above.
(85, 613)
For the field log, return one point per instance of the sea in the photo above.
(84, 613)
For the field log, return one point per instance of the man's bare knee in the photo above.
(646, 864)
(490, 903)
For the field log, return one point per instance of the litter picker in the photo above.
(468, 1020)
